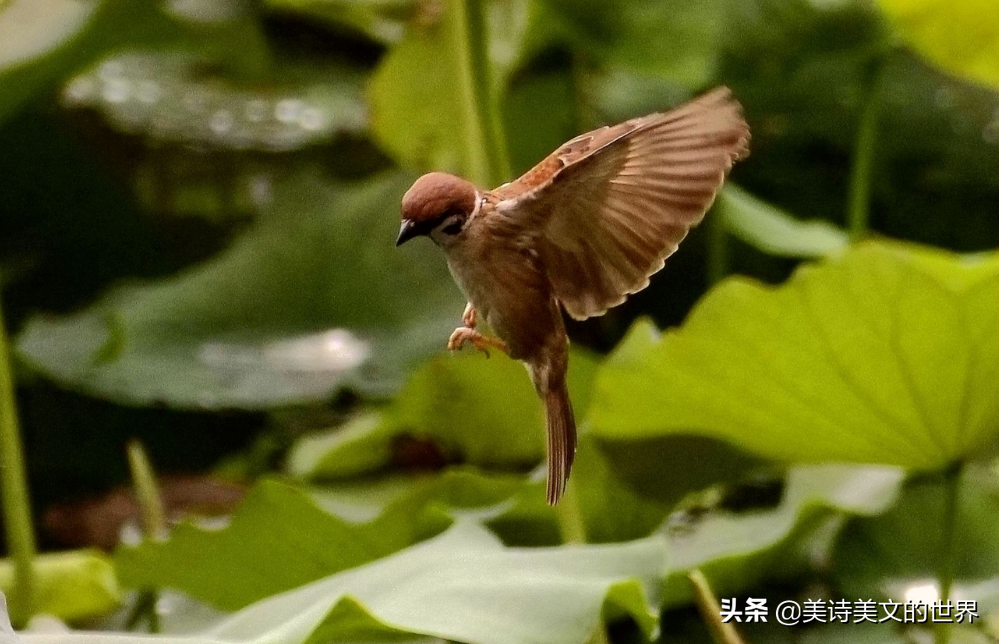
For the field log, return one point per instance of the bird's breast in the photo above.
(475, 276)
(509, 290)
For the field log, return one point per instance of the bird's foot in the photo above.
(468, 317)
(481, 342)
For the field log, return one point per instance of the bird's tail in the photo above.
(561, 439)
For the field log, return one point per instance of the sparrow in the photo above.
(580, 231)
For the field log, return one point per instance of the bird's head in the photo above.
(438, 205)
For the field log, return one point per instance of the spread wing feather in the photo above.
(611, 205)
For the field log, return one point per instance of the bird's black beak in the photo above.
(406, 232)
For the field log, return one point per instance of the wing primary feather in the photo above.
(609, 207)
(653, 193)
(659, 182)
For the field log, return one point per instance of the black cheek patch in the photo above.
(452, 229)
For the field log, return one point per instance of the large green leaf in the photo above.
(314, 297)
(961, 37)
(361, 445)
(282, 537)
(611, 510)
(659, 467)
(774, 231)
(513, 506)
(899, 554)
(148, 94)
(737, 551)
(278, 539)
(463, 585)
(33, 33)
(624, 491)
(474, 410)
(228, 567)
(34, 29)
(415, 108)
(44, 41)
(72, 585)
(691, 629)
(886, 355)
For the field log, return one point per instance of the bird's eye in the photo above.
(452, 229)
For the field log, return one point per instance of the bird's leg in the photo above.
(481, 342)
(468, 317)
(467, 333)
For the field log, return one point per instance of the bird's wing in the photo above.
(608, 207)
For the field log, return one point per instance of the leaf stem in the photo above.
(859, 195)
(948, 549)
(485, 141)
(14, 487)
(718, 262)
(476, 153)
(486, 81)
(570, 516)
(145, 607)
(721, 632)
(571, 525)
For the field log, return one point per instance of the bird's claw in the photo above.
(482, 343)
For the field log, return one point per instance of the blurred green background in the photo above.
(198, 203)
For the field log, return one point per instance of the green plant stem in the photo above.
(485, 141)
(718, 264)
(490, 114)
(571, 525)
(14, 486)
(473, 117)
(859, 200)
(145, 607)
(570, 516)
(948, 549)
(721, 632)
(146, 491)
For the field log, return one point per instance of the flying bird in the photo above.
(580, 231)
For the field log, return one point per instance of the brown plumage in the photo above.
(581, 230)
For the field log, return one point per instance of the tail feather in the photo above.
(561, 440)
